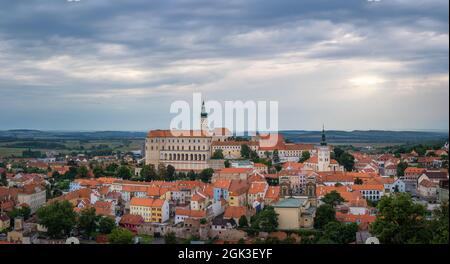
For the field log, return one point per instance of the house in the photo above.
(33, 195)
(398, 186)
(412, 174)
(131, 222)
(182, 214)
(427, 189)
(256, 191)
(272, 195)
(334, 177)
(152, 210)
(363, 220)
(199, 201)
(220, 224)
(372, 192)
(435, 176)
(221, 189)
(260, 167)
(235, 212)
(232, 174)
(238, 193)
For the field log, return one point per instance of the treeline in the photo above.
(36, 144)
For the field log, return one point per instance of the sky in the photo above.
(118, 65)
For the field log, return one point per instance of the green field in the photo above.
(69, 146)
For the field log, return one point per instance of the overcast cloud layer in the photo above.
(118, 65)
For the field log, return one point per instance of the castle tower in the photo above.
(323, 154)
(204, 118)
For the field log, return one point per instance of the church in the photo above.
(322, 161)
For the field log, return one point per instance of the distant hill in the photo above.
(368, 136)
(300, 136)
(80, 135)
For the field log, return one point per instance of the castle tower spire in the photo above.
(324, 140)
(204, 118)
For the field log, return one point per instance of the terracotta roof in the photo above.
(197, 198)
(350, 218)
(428, 184)
(131, 219)
(292, 166)
(238, 187)
(234, 170)
(190, 213)
(235, 212)
(234, 143)
(335, 177)
(134, 188)
(273, 192)
(378, 187)
(255, 177)
(178, 133)
(222, 184)
(257, 187)
(147, 202)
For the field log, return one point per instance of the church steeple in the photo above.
(324, 140)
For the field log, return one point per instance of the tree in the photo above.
(358, 181)
(170, 173)
(58, 217)
(162, 171)
(400, 221)
(333, 198)
(344, 158)
(170, 238)
(439, 225)
(111, 169)
(120, 235)
(243, 222)
(124, 172)
(98, 171)
(3, 179)
(23, 212)
(340, 233)
(192, 175)
(206, 174)
(82, 172)
(245, 151)
(324, 214)
(305, 156)
(87, 221)
(218, 154)
(148, 173)
(266, 220)
(347, 160)
(106, 225)
(276, 157)
(401, 167)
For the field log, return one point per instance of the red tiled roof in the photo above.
(234, 211)
(131, 219)
(147, 202)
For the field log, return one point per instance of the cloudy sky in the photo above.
(118, 65)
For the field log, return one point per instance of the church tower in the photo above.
(323, 154)
(204, 118)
